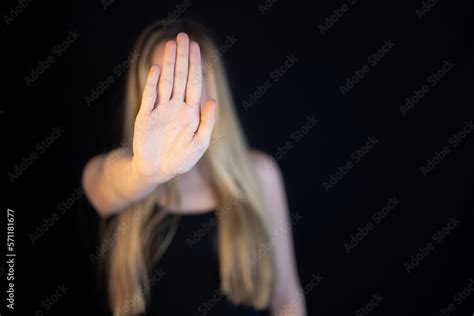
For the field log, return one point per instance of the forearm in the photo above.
(112, 183)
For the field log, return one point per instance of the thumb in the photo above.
(208, 119)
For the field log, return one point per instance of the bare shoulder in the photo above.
(267, 171)
(272, 188)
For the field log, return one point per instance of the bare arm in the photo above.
(171, 133)
(288, 299)
(111, 183)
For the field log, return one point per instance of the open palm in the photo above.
(172, 132)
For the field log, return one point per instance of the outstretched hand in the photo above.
(172, 131)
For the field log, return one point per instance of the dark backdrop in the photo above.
(383, 188)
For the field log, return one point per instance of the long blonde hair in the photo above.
(242, 223)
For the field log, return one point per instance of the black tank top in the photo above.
(188, 273)
(186, 281)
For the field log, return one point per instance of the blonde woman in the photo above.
(197, 223)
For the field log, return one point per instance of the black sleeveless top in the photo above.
(186, 281)
(188, 273)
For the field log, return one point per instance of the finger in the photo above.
(208, 119)
(166, 81)
(181, 68)
(194, 84)
(149, 93)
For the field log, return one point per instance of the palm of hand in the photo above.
(171, 132)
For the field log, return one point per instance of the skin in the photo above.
(172, 131)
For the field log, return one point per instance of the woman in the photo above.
(189, 202)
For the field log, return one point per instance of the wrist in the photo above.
(142, 176)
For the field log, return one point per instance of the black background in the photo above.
(309, 88)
